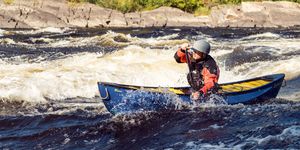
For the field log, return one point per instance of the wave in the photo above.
(44, 30)
(135, 60)
(52, 30)
(266, 35)
(1, 32)
(110, 39)
(49, 94)
(290, 134)
(113, 39)
(7, 41)
(254, 69)
(77, 75)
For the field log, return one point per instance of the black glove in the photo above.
(184, 50)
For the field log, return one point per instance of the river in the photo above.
(49, 97)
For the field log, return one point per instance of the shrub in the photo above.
(8, 2)
(198, 7)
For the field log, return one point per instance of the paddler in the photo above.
(204, 71)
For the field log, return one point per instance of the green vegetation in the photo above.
(197, 7)
(8, 2)
(125, 6)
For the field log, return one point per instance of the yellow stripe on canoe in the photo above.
(160, 90)
(244, 86)
(176, 91)
(237, 87)
(165, 90)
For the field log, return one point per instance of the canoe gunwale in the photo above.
(272, 78)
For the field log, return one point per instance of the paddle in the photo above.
(189, 64)
(188, 61)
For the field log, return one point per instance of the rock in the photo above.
(176, 17)
(154, 18)
(251, 7)
(285, 14)
(133, 19)
(280, 4)
(11, 17)
(83, 15)
(171, 17)
(225, 16)
(96, 20)
(56, 13)
(285, 18)
(38, 14)
(60, 13)
(38, 19)
(257, 14)
(116, 19)
(253, 14)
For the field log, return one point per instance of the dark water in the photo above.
(49, 98)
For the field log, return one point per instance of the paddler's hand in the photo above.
(195, 96)
(184, 47)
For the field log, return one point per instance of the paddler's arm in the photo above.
(180, 54)
(210, 79)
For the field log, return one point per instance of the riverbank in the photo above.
(56, 13)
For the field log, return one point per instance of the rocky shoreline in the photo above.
(60, 13)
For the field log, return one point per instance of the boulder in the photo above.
(176, 17)
(133, 19)
(61, 13)
(171, 17)
(252, 7)
(154, 18)
(54, 13)
(116, 19)
(225, 16)
(98, 17)
(256, 14)
(285, 14)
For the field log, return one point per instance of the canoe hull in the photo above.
(119, 98)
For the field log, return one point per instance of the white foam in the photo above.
(198, 145)
(7, 41)
(108, 39)
(77, 75)
(262, 35)
(167, 37)
(52, 30)
(215, 126)
(291, 132)
(283, 45)
(1, 32)
(44, 30)
(176, 29)
(250, 70)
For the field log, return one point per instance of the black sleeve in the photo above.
(212, 66)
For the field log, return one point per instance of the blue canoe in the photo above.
(120, 98)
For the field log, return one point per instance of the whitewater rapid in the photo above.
(145, 61)
(49, 96)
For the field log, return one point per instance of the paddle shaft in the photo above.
(189, 65)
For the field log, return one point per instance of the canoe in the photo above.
(121, 98)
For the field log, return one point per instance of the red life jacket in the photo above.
(205, 73)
